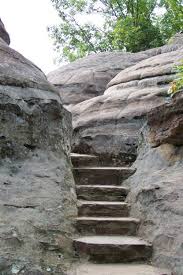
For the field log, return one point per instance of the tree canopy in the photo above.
(105, 25)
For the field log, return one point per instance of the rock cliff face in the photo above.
(88, 77)
(37, 196)
(156, 187)
(109, 125)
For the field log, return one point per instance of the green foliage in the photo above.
(135, 38)
(172, 20)
(177, 84)
(129, 25)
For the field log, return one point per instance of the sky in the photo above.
(26, 22)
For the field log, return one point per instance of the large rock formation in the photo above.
(156, 188)
(37, 199)
(109, 125)
(88, 77)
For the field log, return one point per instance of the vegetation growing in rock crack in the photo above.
(177, 84)
(91, 26)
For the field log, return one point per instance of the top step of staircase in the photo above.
(82, 160)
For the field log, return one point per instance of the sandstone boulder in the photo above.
(109, 125)
(87, 77)
(37, 199)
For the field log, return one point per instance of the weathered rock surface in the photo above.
(168, 128)
(109, 125)
(37, 200)
(88, 77)
(3, 33)
(156, 195)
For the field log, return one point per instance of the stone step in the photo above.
(101, 192)
(103, 208)
(117, 269)
(101, 175)
(107, 226)
(82, 160)
(112, 249)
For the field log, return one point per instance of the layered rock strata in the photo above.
(109, 125)
(37, 196)
(88, 77)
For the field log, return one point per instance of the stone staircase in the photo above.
(108, 244)
(108, 234)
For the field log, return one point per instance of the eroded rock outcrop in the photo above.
(109, 125)
(37, 196)
(88, 77)
(156, 193)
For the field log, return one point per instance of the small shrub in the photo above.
(177, 84)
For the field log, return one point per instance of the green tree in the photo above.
(172, 20)
(130, 25)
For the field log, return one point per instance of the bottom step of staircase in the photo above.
(112, 249)
(117, 269)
